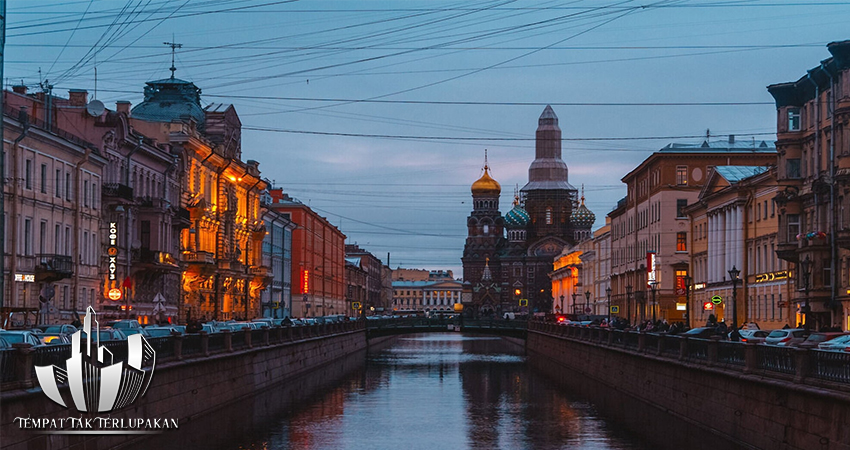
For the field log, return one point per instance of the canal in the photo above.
(429, 391)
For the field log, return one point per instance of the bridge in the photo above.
(410, 325)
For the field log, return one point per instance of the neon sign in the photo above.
(651, 274)
(305, 281)
(112, 251)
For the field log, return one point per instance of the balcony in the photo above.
(787, 251)
(155, 203)
(51, 267)
(198, 257)
(155, 258)
(117, 190)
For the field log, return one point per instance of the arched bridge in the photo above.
(410, 325)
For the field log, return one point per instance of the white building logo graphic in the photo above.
(97, 382)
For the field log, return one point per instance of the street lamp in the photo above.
(575, 294)
(586, 300)
(629, 304)
(806, 265)
(608, 293)
(688, 280)
(733, 275)
(654, 286)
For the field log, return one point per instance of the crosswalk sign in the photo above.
(615, 309)
(523, 302)
(355, 305)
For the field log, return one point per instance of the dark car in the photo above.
(702, 333)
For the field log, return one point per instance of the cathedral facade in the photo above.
(507, 259)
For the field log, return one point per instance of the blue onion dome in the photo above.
(581, 216)
(517, 217)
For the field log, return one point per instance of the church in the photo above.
(507, 259)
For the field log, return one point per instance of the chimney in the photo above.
(78, 97)
(731, 139)
(122, 106)
(21, 89)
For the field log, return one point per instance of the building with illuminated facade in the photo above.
(318, 259)
(649, 228)
(220, 222)
(813, 168)
(507, 259)
(415, 293)
(745, 195)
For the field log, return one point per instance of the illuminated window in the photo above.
(681, 242)
(682, 175)
(548, 216)
(680, 279)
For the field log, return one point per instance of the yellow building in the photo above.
(222, 230)
(734, 225)
(566, 284)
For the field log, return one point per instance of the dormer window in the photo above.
(793, 119)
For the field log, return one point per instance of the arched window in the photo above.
(549, 216)
(486, 229)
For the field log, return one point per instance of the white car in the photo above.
(836, 345)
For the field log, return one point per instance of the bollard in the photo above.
(228, 340)
(177, 339)
(750, 358)
(23, 364)
(801, 361)
(205, 343)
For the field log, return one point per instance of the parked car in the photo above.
(179, 328)
(161, 331)
(108, 334)
(838, 344)
(64, 329)
(130, 331)
(4, 343)
(20, 337)
(754, 336)
(53, 338)
(787, 337)
(702, 333)
(819, 337)
(124, 324)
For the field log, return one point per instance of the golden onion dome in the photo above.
(486, 184)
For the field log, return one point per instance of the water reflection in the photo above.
(441, 391)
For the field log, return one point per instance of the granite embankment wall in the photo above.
(190, 389)
(681, 404)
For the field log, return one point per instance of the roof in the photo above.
(423, 284)
(168, 100)
(355, 260)
(734, 174)
(721, 146)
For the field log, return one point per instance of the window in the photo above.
(681, 242)
(44, 178)
(28, 174)
(681, 175)
(680, 207)
(42, 236)
(772, 209)
(765, 210)
(57, 240)
(94, 195)
(680, 279)
(145, 234)
(58, 183)
(27, 237)
(793, 119)
(86, 193)
(827, 274)
(793, 221)
(67, 186)
(792, 168)
(548, 216)
(68, 241)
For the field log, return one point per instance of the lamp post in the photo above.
(608, 293)
(629, 304)
(688, 280)
(733, 275)
(586, 300)
(654, 286)
(575, 294)
(806, 265)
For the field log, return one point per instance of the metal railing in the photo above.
(789, 363)
(17, 365)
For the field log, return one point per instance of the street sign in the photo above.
(615, 309)
(355, 305)
(717, 299)
(275, 305)
(708, 306)
(114, 294)
(523, 302)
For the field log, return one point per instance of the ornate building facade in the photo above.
(507, 260)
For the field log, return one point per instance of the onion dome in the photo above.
(581, 216)
(517, 217)
(486, 185)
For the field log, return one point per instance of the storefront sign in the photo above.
(708, 306)
(112, 251)
(25, 277)
(305, 282)
(717, 299)
(114, 294)
(651, 275)
(773, 276)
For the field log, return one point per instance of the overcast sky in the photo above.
(377, 113)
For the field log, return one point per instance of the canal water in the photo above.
(429, 391)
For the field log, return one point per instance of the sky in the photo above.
(377, 113)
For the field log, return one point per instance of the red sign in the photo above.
(305, 281)
(114, 294)
(707, 306)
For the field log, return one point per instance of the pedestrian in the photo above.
(735, 335)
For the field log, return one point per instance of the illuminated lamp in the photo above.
(458, 307)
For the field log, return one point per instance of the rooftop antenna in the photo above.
(174, 46)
